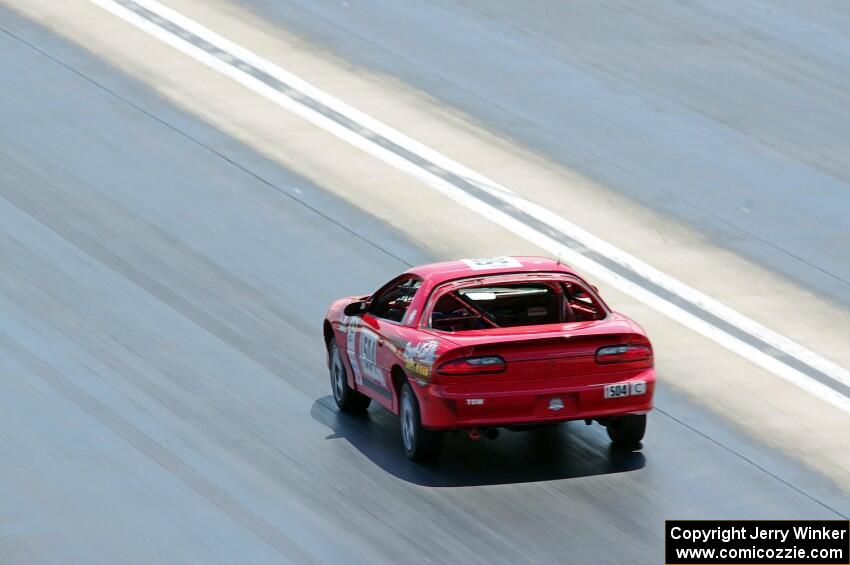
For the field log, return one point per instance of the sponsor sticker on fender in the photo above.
(419, 358)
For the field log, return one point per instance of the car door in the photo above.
(379, 338)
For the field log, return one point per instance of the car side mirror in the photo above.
(595, 288)
(356, 308)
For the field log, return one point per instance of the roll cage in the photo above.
(517, 300)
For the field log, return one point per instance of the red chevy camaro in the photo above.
(479, 344)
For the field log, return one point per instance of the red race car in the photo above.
(479, 344)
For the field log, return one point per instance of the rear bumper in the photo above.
(452, 406)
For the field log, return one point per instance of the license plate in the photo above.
(634, 388)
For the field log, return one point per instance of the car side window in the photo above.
(392, 302)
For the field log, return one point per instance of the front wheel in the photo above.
(347, 399)
(627, 431)
(420, 444)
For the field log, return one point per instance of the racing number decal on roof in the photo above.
(483, 263)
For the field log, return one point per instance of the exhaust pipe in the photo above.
(490, 433)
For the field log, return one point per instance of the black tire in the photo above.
(347, 399)
(420, 444)
(627, 431)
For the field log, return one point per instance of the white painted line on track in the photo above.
(538, 225)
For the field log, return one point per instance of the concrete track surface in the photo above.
(163, 390)
(723, 114)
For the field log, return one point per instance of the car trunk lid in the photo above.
(553, 350)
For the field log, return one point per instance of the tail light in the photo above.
(473, 366)
(623, 354)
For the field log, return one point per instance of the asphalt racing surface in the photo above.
(728, 115)
(163, 392)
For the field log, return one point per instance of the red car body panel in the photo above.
(551, 372)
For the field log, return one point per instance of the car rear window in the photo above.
(514, 304)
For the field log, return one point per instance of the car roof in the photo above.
(437, 273)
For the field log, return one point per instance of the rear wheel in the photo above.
(347, 399)
(420, 444)
(627, 431)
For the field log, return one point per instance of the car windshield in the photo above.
(514, 304)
